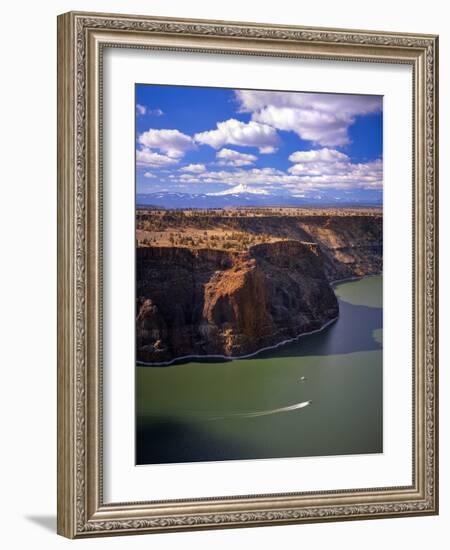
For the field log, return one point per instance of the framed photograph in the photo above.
(247, 274)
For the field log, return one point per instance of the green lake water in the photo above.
(319, 395)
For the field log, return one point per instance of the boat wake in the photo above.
(205, 416)
(254, 414)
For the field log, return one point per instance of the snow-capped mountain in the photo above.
(241, 188)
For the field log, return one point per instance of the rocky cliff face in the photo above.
(214, 302)
(352, 246)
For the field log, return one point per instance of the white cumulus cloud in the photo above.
(194, 168)
(229, 157)
(172, 143)
(320, 169)
(245, 134)
(318, 155)
(328, 167)
(321, 118)
(147, 157)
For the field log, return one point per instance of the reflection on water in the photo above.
(318, 395)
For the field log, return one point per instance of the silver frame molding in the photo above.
(81, 38)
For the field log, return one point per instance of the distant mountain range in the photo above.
(241, 195)
(244, 195)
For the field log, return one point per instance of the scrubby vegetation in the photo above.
(234, 229)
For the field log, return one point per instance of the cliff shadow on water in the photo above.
(353, 331)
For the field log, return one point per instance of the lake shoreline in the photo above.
(230, 358)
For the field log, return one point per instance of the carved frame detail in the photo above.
(81, 37)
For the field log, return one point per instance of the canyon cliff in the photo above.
(206, 301)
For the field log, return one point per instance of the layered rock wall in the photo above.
(212, 302)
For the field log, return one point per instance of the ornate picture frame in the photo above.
(82, 38)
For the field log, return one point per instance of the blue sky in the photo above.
(217, 141)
